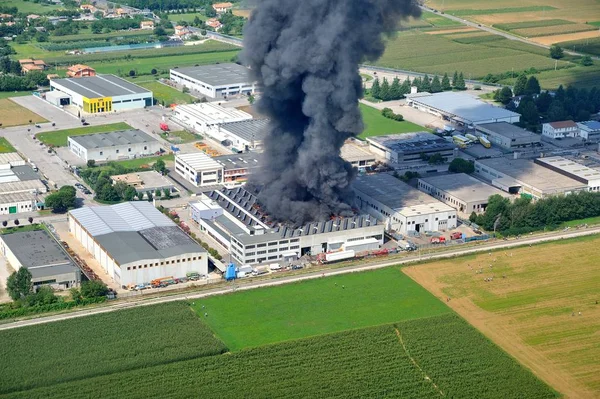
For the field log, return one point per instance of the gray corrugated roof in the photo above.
(111, 139)
(100, 86)
(217, 74)
(25, 172)
(254, 129)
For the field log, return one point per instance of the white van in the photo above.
(275, 266)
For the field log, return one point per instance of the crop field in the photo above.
(165, 94)
(475, 60)
(590, 46)
(484, 11)
(532, 24)
(378, 125)
(258, 317)
(425, 358)
(579, 76)
(80, 348)
(59, 138)
(553, 30)
(534, 311)
(5, 146)
(438, 20)
(100, 36)
(12, 114)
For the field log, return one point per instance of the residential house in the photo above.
(147, 25)
(222, 7)
(5, 16)
(28, 65)
(32, 17)
(80, 70)
(88, 7)
(214, 23)
(560, 129)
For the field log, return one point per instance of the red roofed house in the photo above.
(88, 7)
(214, 23)
(28, 65)
(560, 129)
(222, 7)
(79, 70)
(147, 25)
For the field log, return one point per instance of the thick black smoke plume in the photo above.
(305, 56)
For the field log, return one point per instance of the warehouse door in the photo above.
(12, 209)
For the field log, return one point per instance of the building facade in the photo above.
(199, 169)
(555, 130)
(112, 146)
(589, 130)
(508, 136)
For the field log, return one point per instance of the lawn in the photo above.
(9, 94)
(28, 7)
(187, 17)
(378, 125)
(145, 162)
(577, 222)
(85, 347)
(5, 146)
(181, 136)
(166, 95)
(533, 312)
(59, 138)
(12, 114)
(258, 317)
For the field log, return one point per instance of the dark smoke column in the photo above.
(305, 55)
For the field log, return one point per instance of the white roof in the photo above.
(198, 161)
(570, 168)
(210, 113)
(7, 176)
(205, 205)
(23, 186)
(10, 157)
(128, 216)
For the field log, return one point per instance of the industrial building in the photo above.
(206, 117)
(234, 218)
(358, 155)
(20, 185)
(113, 146)
(216, 81)
(573, 170)
(521, 176)
(145, 181)
(100, 93)
(45, 258)
(508, 136)
(237, 167)
(199, 169)
(11, 159)
(244, 135)
(589, 130)
(135, 243)
(410, 147)
(464, 193)
(461, 108)
(401, 207)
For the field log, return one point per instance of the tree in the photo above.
(210, 12)
(160, 167)
(43, 296)
(197, 21)
(532, 86)
(93, 289)
(460, 84)
(436, 85)
(504, 95)
(395, 91)
(129, 194)
(384, 92)
(405, 87)
(91, 163)
(446, 83)
(19, 284)
(455, 79)
(436, 159)
(153, 71)
(426, 83)
(251, 99)
(157, 193)
(61, 200)
(167, 193)
(17, 222)
(5, 223)
(529, 113)
(556, 52)
(149, 195)
(30, 220)
(586, 60)
(132, 73)
(160, 31)
(520, 84)
(460, 165)
(473, 217)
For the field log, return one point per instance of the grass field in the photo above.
(145, 162)
(533, 313)
(378, 125)
(5, 146)
(532, 24)
(12, 114)
(316, 307)
(485, 11)
(579, 76)
(180, 136)
(85, 347)
(100, 36)
(573, 223)
(9, 94)
(187, 17)
(59, 138)
(166, 94)
(426, 358)
(590, 46)
(28, 7)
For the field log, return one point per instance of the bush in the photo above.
(388, 113)
(459, 165)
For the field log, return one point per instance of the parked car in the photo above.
(86, 191)
(85, 123)
(297, 267)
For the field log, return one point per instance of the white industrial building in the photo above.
(205, 117)
(508, 136)
(461, 108)
(20, 186)
(236, 221)
(113, 146)
(410, 147)
(244, 135)
(464, 193)
(401, 207)
(135, 243)
(573, 170)
(199, 169)
(97, 94)
(562, 129)
(589, 130)
(237, 167)
(216, 81)
(11, 159)
(358, 155)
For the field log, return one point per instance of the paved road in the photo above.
(249, 284)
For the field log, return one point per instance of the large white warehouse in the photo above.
(216, 81)
(135, 243)
(112, 146)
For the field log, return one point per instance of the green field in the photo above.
(85, 347)
(573, 223)
(507, 10)
(28, 7)
(187, 17)
(9, 94)
(138, 163)
(100, 36)
(589, 46)
(378, 125)
(166, 95)
(532, 24)
(425, 358)
(180, 136)
(5, 146)
(438, 20)
(59, 138)
(579, 76)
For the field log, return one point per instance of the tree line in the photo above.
(524, 216)
(395, 91)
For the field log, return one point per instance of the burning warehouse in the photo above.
(234, 218)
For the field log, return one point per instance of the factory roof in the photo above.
(41, 255)
(112, 139)
(217, 74)
(23, 186)
(526, 172)
(570, 169)
(210, 113)
(10, 157)
(7, 176)
(509, 130)
(589, 125)
(246, 160)
(463, 106)
(100, 86)
(142, 181)
(353, 153)
(16, 197)
(198, 161)
(411, 142)
(251, 130)
(134, 231)
(398, 195)
(464, 187)
(25, 172)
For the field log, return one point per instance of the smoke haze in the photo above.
(305, 56)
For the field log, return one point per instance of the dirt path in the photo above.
(498, 329)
